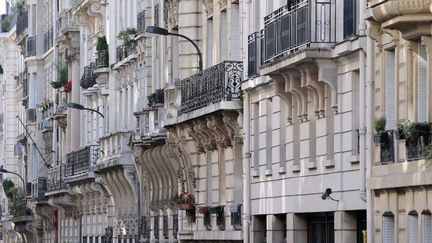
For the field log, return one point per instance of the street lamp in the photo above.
(81, 107)
(161, 31)
(2, 170)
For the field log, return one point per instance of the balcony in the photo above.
(39, 188)
(150, 126)
(306, 24)
(31, 46)
(221, 82)
(21, 26)
(65, 23)
(418, 147)
(411, 17)
(89, 77)
(116, 150)
(386, 144)
(141, 23)
(55, 180)
(124, 51)
(102, 59)
(48, 39)
(79, 163)
(255, 55)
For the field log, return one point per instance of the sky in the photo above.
(2, 7)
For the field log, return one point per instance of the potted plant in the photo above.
(400, 128)
(127, 35)
(102, 44)
(381, 134)
(62, 77)
(414, 130)
(186, 201)
(156, 98)
(102, 52)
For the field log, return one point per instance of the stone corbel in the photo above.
(232, 127)
(216, 125)
(292, 80)
(208, 5)
(222, 4)
(328, 73)
(282, 92)
(173, 9)
(310, 81)
(209, 141)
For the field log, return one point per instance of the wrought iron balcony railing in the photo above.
(79, 162)
(387, 147)
(418, 148)
(255, 41)
(306, 23)
(19, 208)
(102, 59)
(124, 51)
(31, 46)
(89, 77)
(55, 180)
(22, 24)
(221, 82)
(48, 39)
(141, 22)
(39, 188)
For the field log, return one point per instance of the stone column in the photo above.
(345, 227)
(296, 228)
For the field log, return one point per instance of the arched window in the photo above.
(426, 226)
(388, 228)
(412, 227)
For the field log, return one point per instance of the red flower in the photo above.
(181, 195)
(190, 196)
(68, 86)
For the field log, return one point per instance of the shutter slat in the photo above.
(390, 91)
(427, 228)
(422, 85)
(412, 228)
(388, 229)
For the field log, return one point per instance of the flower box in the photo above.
(186, 206)
(203, 209)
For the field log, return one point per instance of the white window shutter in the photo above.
(422, 96)
(427, 228)
(412, 228)
(388, 229)
(390, 90)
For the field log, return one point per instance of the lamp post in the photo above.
(161, 31)
(2, 170)
(81, 107)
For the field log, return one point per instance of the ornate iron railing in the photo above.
(124, 51)
(102, 59)
(387, 147)
(255, 56)
(22, 24)
(39, 188)
(48, 39)
(221, 82)
(80, 161)
(19, 208)
(298, 25)
(418, 148)
(141, 22)
(56, 178)
(89, 77)
(31, 46)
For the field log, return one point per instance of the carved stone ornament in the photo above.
(208, 4)
(173, 12)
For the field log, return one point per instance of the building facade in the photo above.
(400, 58)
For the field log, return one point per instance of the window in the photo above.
(349, 18)
(390, 90)
(388, 228)
(422, 96)
(320, 228)
(427, 227)
(412, 227)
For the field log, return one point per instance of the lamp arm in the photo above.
(194, 44)
(93, 110)
(22, 179)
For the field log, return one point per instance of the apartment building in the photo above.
(304, 123)
(400, 61)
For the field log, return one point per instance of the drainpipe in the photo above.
(246, 13)
(369, 120)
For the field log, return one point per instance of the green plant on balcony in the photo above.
(102, 44)
(62, 77)
(20, 5)
(381, 135)
(5, 24)
(126, 36)
(156, 98)
(414, 130)
(8, 188)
